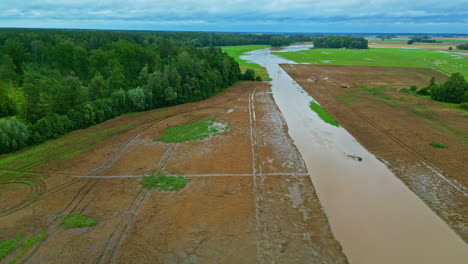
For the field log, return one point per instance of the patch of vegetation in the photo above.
(28, 243)
(9, 245)
(164, 182)
(323, 114)
(338, 42)
(464, 106)
(78, 220)
(349, 97)
(237, 51)
(437, 145)
(343, 86)
(423, 115)
(374, 91)
(63, 148)
(193, 132)
(454, 90)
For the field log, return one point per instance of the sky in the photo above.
(335, 16)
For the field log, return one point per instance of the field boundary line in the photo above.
(264, 244)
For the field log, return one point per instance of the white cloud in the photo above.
(235, 11)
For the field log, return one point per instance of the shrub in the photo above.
(437, 145)
(464, 106)
(14, 135)
(50, 127)
(452, 91)
(249, 75)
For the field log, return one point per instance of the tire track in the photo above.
(264, 247)
(41, 193)
(117, 236)
(79, 197)
(85, 190)
(455, 184)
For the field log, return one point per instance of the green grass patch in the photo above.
(66, 147)
(323, 114)
(28, 243)
(343, 86)
(348, 98)
(164, 182)
(78, 220)
(448, 62)
(437, 145)
(193, 132)
(423, 115)
(9, 245)
(237, 51)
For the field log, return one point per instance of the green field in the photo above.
(447, 62)
(237, 51)
(393, 39)
(437, 39)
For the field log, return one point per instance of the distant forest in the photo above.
(339, 42)
(463, 46)
(56, 81)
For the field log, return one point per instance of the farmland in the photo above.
(446, 62)
(82, 196)
(399, 128)
(237, 51)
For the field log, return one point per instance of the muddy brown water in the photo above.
(376, 218)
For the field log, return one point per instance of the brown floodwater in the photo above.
(374, 216)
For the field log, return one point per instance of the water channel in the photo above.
(374, 216)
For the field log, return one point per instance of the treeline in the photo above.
(422, 39)
(384, 37)
(92, 39)
(53, 82)
(463, 46)
(454, 90)
(339, 42)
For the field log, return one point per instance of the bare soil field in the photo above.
(249, 198)
(398, 127)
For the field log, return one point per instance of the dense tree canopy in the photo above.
(56, 81)
(338, 42)
(422, 39)
(463, 46)
(454, 90)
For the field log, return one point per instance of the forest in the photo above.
(56, 81)
(463, 46)
(421, 39)
(339, 42)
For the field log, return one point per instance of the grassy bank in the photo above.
(323, 114)
(447, 62)
(237, 51)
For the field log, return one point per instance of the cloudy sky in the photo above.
(426, 16)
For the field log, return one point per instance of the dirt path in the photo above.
(249, 199)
